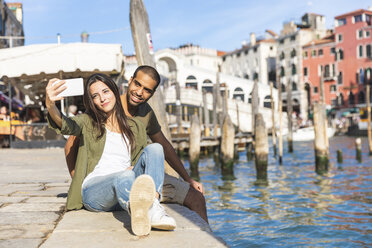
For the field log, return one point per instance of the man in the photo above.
(141, 87)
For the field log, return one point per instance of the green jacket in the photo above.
(91, 149)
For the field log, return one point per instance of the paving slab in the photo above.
(12, 188)
(81, 229)
(25, 231)
(11, 199)
(33, 207)
(46, 199)
(17, 218)
(49, 192)
(65, 184)
(20, 243)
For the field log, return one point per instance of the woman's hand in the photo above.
(52, 91)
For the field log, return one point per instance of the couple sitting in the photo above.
(111, 165)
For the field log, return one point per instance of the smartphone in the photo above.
(75, 87)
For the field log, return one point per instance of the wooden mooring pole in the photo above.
(194, 147)
(178, 108)
(280, 109)
(206, 115)
(249, 148)
(358, 149)
(289, 113)
(227, 148)
(139, 22)
(255, 103)
(320, 143)
(369, 129)
(214, 110)
(339, 157)
(261, 149)
(273, 129)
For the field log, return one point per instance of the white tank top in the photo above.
(115, 156)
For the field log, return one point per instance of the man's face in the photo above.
(140, 89)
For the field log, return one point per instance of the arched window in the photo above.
(255, 76)
(282, 56)
(351, 98)
(238, 94)
(191, 77)
(282, 72)
(283, 88)
(207, 86)
(267, 102)
(294, 86)
(191, 82)
(293, 53)
(294, 69)
(361, 97)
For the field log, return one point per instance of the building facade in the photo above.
(353, 36)
(319, 59)
(11, 19)
(290, 58)
(255, 61)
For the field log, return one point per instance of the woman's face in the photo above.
(102, 96)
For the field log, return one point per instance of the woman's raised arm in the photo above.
(52, 91)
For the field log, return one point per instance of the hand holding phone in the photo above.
(74, 87)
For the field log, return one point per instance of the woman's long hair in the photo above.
(99, 117)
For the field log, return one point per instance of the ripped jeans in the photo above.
(111, 192)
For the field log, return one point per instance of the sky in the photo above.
(217, 24)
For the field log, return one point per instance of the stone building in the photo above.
(290, 55)
(11, 19)
(319, 58)
(353, 55)
(254, 61)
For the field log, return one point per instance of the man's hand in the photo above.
(196, 185)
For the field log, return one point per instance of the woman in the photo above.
(113, 170)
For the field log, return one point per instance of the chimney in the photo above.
(253, 39)
(84, 37)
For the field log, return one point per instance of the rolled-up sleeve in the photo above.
(70, 125)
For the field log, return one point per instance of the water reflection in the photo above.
(297, 207)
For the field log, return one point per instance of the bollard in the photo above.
(339, 157)
(273, 129)
(194, 147)
(289, 115)
(358, 148)
(280, 109)
(206, 115)
(236, 152)
(369, 128)
(320, 143)
(261, 148)
(249, 151)
(227, 147)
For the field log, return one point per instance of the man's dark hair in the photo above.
(150, 71)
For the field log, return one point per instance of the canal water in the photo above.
(298, 208)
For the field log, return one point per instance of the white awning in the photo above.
(52, 58)
(29, 68)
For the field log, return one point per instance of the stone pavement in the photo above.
(33, 190)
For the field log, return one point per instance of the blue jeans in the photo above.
(111, 192)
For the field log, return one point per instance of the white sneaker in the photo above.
(141, 198)
(159, 218)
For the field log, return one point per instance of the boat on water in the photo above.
(307, 133)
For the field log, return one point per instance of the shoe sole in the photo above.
(141, 197)
(163, 227)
